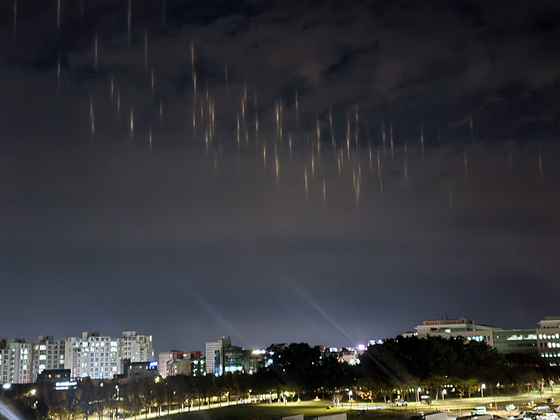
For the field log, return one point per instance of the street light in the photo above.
(5, 387)
(482, 388)
(443, 398)
(418, 394)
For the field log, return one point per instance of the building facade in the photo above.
(15, 361)
(214, 356)
(548, 340)
(504, 341)
(100, 357)
(48, 353)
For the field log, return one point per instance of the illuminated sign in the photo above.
(65, 385)
(152, 365)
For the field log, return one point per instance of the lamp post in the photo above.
(443, 398)
(482, 388)
(418, 394)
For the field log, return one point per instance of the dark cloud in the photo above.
(195, 237)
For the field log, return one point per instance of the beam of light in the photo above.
(58, 14)
(160, 110)
(370, 159)
(243, 110)
(190, 290)
(290, 144)
(264, 155)
(315, 306)
(95, 45)
(277, 165)
(153, 82)
(324, 191)
(150, 139)
(312, 164)
(131, 122)
(129, 22)
(194, 87)
(318, 135)
(8, 412)
(112, 87)
(348, 134)
(277, 111)
(238, 133)
(306, 184)
(192, 58)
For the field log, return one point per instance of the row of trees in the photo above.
(398, 366)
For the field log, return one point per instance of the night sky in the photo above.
(263, 220)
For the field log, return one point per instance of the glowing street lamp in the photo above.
(418, 394)
(443, 398)
(482, 388)
(6, 386)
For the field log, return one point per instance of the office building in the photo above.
(548, 340)
(215, 355)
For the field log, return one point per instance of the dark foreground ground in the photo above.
(277, 411)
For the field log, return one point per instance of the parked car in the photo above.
(425, 399)
(401, 403)
(541, 407)
(557, 409)
(548, 416)
(478, 411)
(510, 408)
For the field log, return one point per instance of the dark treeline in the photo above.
(400, 366)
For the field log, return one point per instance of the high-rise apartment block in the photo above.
(48, 353)
(100, 357)
(15, 361)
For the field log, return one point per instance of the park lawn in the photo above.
(276, 411)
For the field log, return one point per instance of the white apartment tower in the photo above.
(15, 361)
(100, 357)
(92, 356)
(137, 348)
(48, 353)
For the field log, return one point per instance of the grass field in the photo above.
(277, 411)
